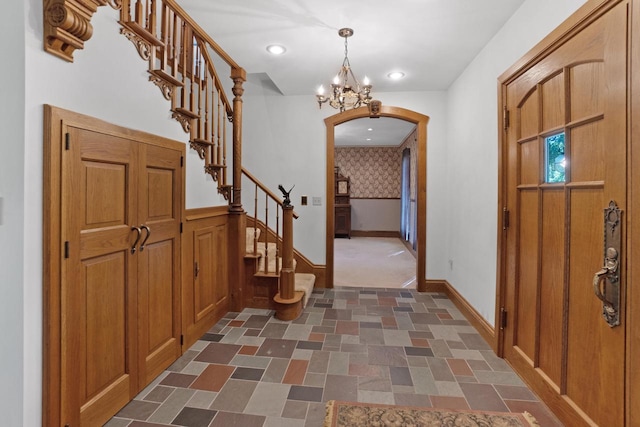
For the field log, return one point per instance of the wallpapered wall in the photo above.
(375, 172)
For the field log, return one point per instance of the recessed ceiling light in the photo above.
(276, 49)
(368, 139)
(370, 129)
(395, 75)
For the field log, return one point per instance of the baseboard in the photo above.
(477, 321)
(373, 233)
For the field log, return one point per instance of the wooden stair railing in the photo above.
(266, 209)
(180, 56)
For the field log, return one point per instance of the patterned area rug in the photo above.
(355, 414)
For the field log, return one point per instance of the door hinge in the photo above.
(180, 227)
(66, 249)
(196, 269)
(66, 141)
(505, 218)
(503, 318)
(505, 118)
(181, 339)
(181, 161)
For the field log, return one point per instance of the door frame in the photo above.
(420, 120)
(575, 23)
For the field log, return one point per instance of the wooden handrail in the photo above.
(271, 194)
(218, 83)
(202, 33)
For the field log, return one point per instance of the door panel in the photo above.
(553, 100)
(160, 199)
(98, 278)
(204, 286)
(558, 339)
(551, 290)
(206, 291)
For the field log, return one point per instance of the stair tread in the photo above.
(304, 282)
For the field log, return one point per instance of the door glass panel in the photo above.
(554, 158)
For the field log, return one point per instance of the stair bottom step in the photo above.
(304, 282)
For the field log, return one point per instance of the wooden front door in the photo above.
(565, 160)
(120, 299)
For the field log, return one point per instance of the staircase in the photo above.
(181, 64)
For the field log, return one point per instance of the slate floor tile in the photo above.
(375, 345)
(194, 417)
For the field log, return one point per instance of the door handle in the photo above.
(148, 230)
(133, 248)
(607, 274)
(606, 281)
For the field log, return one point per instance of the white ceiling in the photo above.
(431, 41)
(383, 131)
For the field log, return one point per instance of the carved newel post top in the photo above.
(286, 203)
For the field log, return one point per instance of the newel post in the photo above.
(237, 216)
(288, 302)
(287, 274)
(239, 76)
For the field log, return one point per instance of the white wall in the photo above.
(11, 213)
(472, 144)
(284, 142)
(107, 80)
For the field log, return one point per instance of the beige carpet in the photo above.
(379, 262)
(355, 414)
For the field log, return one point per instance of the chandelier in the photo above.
(345, 89)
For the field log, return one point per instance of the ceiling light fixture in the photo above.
(345, 89)
(276, 49)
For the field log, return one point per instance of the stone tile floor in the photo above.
(374, 345)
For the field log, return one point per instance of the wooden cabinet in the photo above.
(112, 311)
(205, 292)
(342, 205)
(343, 220)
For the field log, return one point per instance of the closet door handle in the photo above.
(148, 230)
(133, 248)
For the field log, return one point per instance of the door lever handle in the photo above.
(148, 230)
(608, 273)
(133, 248)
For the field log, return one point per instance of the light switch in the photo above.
(303, 200)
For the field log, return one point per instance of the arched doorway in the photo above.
(420, 121)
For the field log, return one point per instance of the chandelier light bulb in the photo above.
(365, 81)
(320, 90)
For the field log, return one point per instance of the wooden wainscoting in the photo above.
(205, 273)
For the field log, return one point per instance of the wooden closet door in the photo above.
(159, 210)
(99, 273)
(556, 336)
